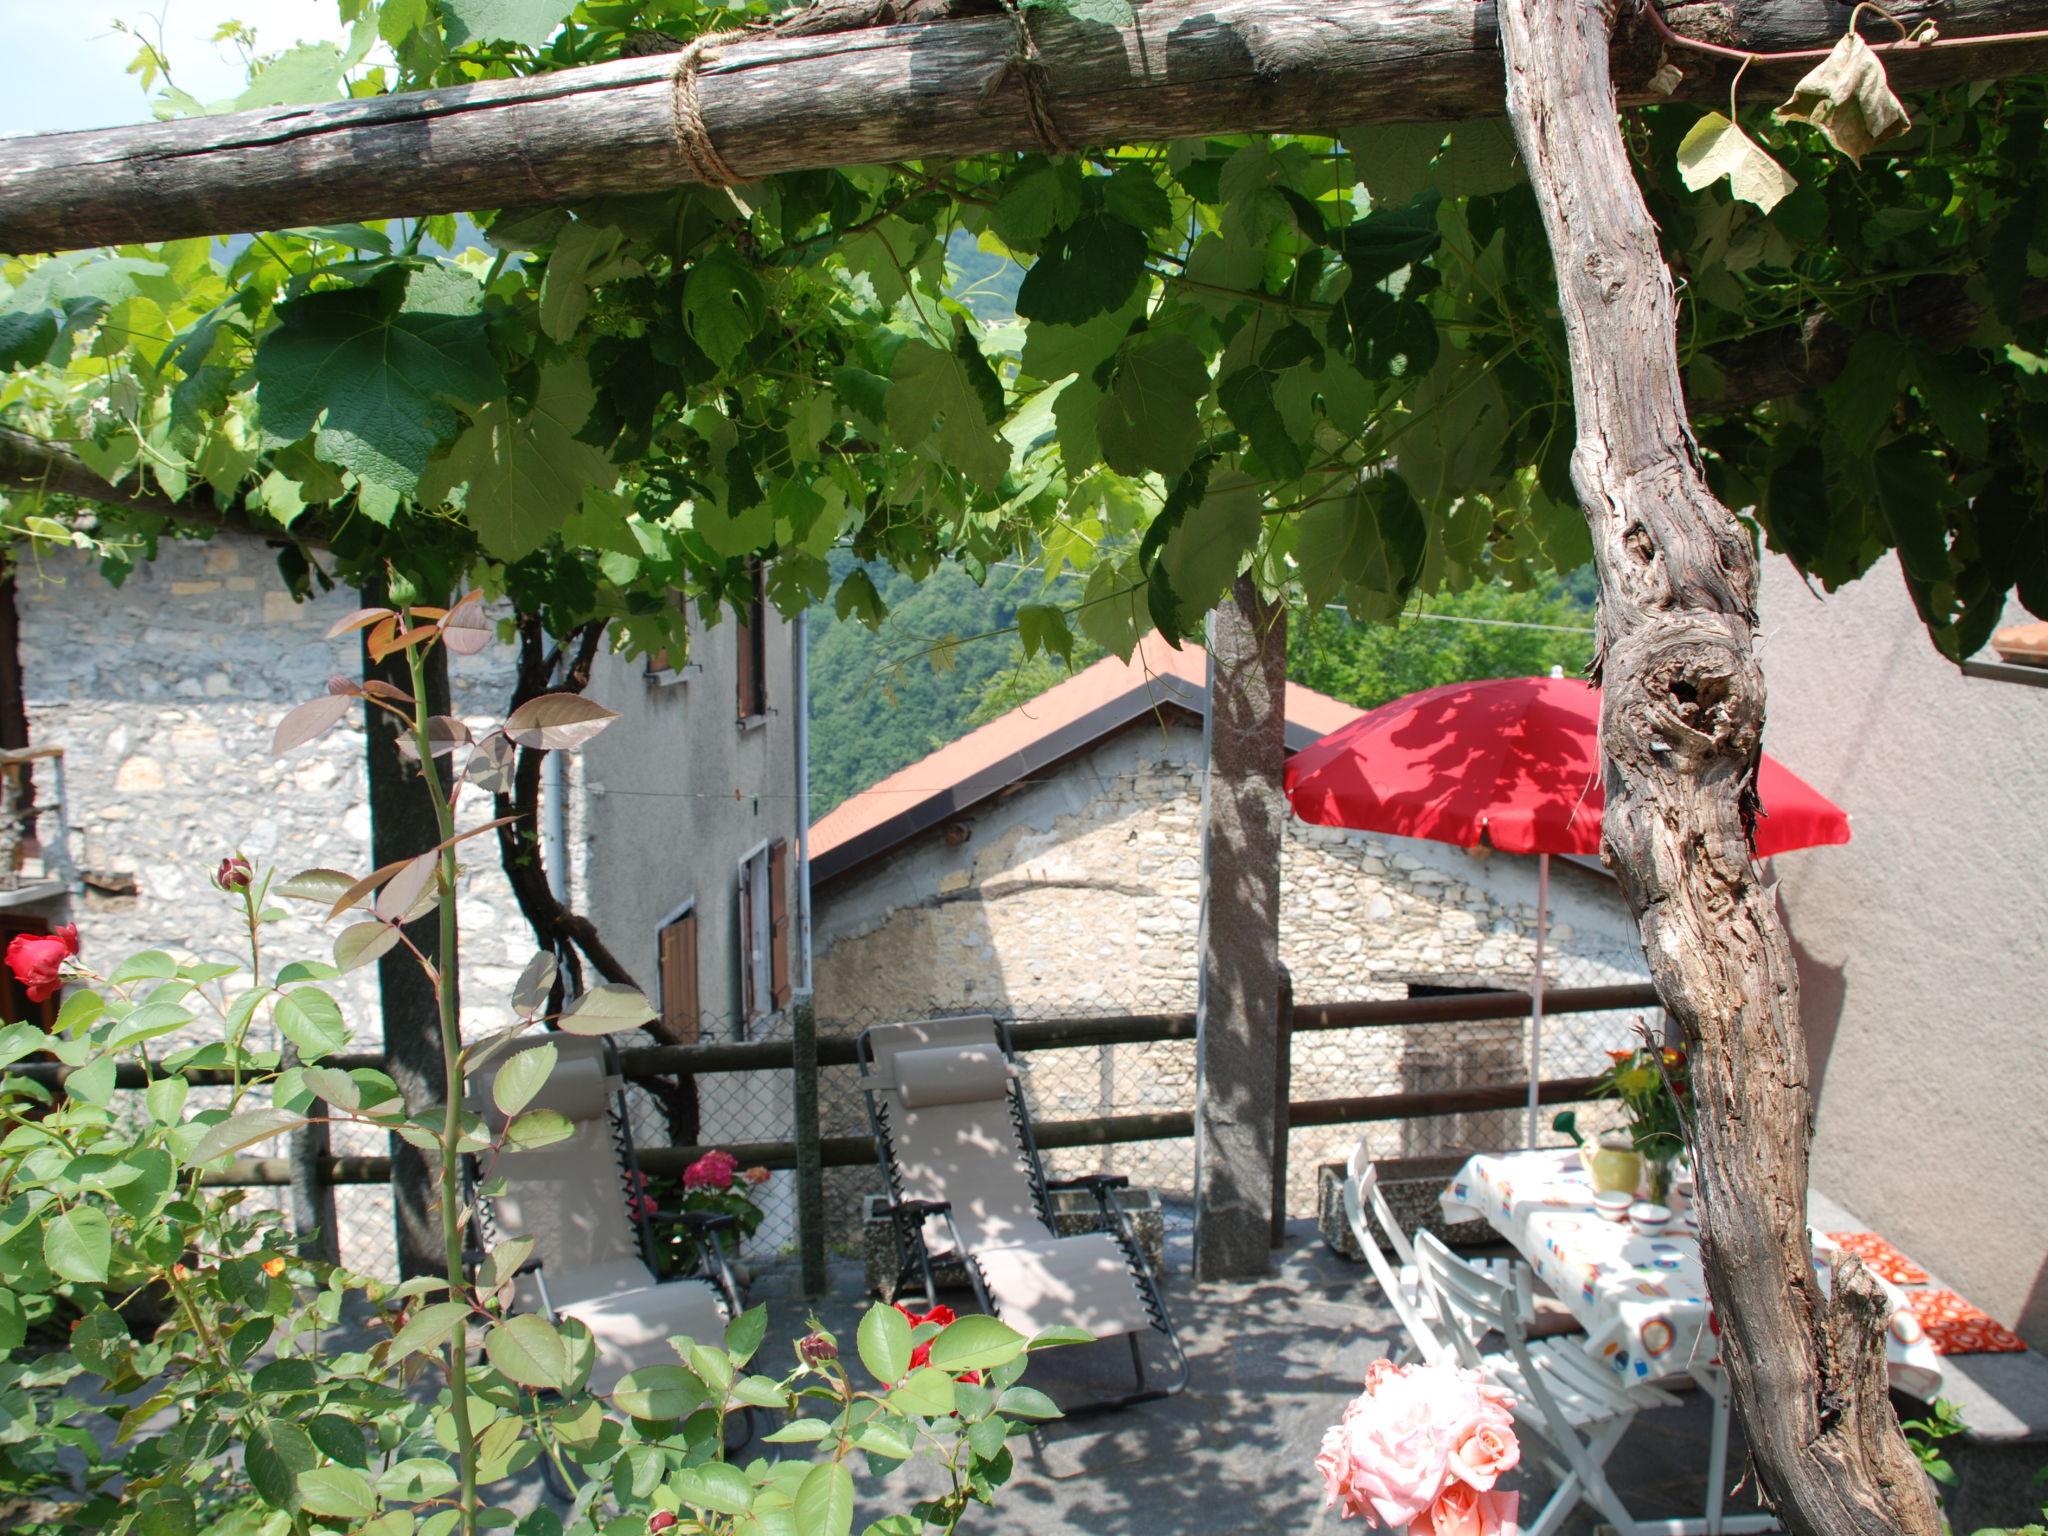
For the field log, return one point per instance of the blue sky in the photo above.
(62, 63)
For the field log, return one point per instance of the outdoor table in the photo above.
(1642, 1300)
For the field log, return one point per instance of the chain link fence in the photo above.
(1084, 1083)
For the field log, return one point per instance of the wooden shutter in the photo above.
(778, 922)
(748, 1005)
(752, 637)
(680, 1013)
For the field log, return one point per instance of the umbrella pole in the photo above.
(1536, 993)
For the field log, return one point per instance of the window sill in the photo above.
(669, 677)
(755, 722)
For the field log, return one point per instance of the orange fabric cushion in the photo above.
(1881, 1258)
(1954, 1327)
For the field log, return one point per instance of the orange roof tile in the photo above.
(1064, 719)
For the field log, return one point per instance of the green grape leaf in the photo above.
(375, 372)
(529, 22)
(527, 474)
(724, 305)
(932, 395)
(1204, 554)
(1247, 397)
(1086, 269)
(26, 338)
(1148, 419)
(1045, 197)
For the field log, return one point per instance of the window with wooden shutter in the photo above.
(753, 649)
(680, 1010)
(778, 923)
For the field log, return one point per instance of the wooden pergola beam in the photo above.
(796, 97)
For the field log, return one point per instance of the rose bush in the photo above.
(171, 1362)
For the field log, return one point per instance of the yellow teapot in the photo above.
(1614, 1164)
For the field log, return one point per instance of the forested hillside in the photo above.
(947, 659)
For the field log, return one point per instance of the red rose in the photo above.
(660, 1521)
(714, 1170)
(36, 958)
(921, 1355)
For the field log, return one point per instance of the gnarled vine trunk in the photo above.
(1681, 729)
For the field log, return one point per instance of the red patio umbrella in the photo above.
(1513, 763)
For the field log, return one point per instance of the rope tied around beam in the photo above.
(686, 116)
(1028, 66)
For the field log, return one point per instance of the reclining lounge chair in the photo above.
(582, 1202)
(966, 1183)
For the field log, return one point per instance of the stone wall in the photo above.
(1080, 893)
(164, 693)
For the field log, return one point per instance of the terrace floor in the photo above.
(1274, 1363)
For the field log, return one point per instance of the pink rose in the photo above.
(1461, 1510)
(1487, 1450)
(1415, 1434)
(1382, 1370)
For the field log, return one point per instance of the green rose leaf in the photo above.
(975, 1344)
(884, 1343)
(342, 1492)
(531, 1350)
(824, 1501)
(78, 1244)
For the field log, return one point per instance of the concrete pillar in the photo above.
(1243, 818)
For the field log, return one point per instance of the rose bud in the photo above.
(234, 874)
(815, 1349)
(660, 1520)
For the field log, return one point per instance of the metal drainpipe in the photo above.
(800, 638)
(554, 822)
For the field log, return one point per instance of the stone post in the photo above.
(1243, 817)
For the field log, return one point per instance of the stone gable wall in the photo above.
(1080, 893)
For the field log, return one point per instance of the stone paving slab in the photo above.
(1274, 1362)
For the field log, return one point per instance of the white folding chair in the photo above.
(1401, 1287)
(1362, 1193)
(1565, 1397)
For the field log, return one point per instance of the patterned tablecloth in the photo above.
(1642, 1300)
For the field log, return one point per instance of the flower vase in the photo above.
(1657, 1178)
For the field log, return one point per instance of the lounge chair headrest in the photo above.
(951, 1074)
(577, 1089)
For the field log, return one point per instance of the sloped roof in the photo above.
(1067, 718)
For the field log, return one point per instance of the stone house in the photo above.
(162, 695)
(1049, 864)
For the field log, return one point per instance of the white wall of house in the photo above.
(675, 795)
(1923, 944)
